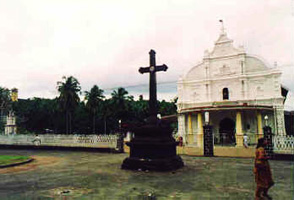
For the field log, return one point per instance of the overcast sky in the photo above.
(104, 42)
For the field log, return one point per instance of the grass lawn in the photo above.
(7, 160)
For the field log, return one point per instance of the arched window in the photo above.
(225, 94)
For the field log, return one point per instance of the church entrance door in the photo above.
(227, 131)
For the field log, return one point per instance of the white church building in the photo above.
(241, 93)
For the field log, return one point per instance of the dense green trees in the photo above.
(5, 100)
(5, 104)
(36, 115)
(96, 114)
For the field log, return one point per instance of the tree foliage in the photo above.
(120, 103)
(94, 99)
(67, 114)
(5, 100)
(69, 99)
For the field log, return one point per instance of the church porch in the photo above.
(221, 151)
(230, 124)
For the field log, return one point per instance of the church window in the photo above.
(225, 94)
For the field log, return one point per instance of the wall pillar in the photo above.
(239, 130)
(200, 130)
(259, 126)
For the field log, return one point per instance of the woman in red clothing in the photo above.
(263, 176)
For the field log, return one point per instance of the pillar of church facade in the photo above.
(199, 137)
(182, 127)
(190, 137)
(208, 91)
(239, 130)
(259, 126)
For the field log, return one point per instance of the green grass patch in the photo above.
(7, 160)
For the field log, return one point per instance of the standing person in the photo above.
(263, 176)
(180, 140)
(37, 140)
(245, 140)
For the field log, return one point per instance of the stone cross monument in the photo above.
(153, 147)
(152, 69)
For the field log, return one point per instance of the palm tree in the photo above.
(119, 101)
(94, 98)
(107, 110)
(121, 105)
(69, 90)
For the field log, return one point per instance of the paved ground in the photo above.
(90, 175)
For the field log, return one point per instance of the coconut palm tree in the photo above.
(119, 101)
(121, 105)
(69, 90)
(94, 98)
(107, 110)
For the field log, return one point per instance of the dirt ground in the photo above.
(93, 175)
(38, 161)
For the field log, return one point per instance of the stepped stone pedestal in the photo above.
(153, 148)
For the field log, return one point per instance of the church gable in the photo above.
(225, 67)
(228, 74)
(224, 60)
(224, 48)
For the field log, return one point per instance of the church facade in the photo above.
(241, 93)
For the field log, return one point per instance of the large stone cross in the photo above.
(152, 69)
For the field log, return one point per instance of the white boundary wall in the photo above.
(94, 141)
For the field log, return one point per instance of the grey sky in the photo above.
(104, 42)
